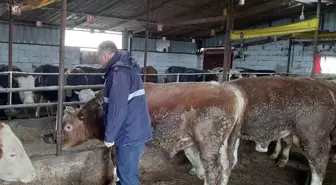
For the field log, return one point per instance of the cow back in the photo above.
(150, 78)
(276, 104)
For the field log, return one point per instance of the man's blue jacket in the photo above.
(127, 119)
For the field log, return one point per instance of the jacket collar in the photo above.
(112, 62)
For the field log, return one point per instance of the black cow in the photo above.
(256, 72)
(75, 80)
(241, 73)
(188, 78)
(45, 81)
(18, 81)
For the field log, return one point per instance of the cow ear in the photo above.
(81, 114)
(96, 92)
(77, 92)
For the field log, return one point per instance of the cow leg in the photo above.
(262, 147)
(285, 152)
(277, 150)
(48, 109)
(316, 143)
(26, 112)
(37, 112)
(218, 154)
(318, 157)
(193, 156)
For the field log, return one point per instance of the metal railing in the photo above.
(11, 90)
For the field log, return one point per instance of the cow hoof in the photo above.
(281, 163)
(273, 156)
(192, 172)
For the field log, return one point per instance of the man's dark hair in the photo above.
(107, 47)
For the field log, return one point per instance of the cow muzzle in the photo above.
(28, 101)
(50, 138)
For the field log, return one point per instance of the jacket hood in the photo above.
(124, 60)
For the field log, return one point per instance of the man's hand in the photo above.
(108, 144)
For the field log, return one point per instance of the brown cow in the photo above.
(210, 117)
(174, 108)
(151, 78)
(292, 139)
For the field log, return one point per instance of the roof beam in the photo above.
(289, 10)
(141, 14)
(200, 21)
(181, 14)
(257, 10)
(101, 11)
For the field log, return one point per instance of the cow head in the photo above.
(80, 125)
(86, 94)
(27, 97)
(15, 165)
(74, 129)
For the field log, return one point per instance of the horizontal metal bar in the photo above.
(51, 88)
(69, 74)
(37, 105)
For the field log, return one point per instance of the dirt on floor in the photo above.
(253, 168)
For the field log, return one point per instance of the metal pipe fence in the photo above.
(11, 90)
(51, 88)
(38, 105)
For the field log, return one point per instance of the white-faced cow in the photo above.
(212, 117)
(84, 80)
(15, 165)
(18, 81)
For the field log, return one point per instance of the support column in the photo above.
(318, 12)
(59, 136)
(146, 44)
(227, 45)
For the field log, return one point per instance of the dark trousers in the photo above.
(128, 158)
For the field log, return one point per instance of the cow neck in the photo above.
(94, 124)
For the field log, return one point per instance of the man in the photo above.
(126, 112)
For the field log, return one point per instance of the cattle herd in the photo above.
(30, 81)
(206, 120)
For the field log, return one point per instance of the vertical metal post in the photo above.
(61, 79)
(318, 12)
(289, 55)
(178, 77)
(129, 45)
(227, 44)
(10, 54)
(146, 44)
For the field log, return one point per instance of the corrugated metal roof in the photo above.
(121, 15)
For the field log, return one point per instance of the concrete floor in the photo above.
(89, 163)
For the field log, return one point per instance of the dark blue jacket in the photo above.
(125, 106)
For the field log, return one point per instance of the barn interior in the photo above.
(288, 37)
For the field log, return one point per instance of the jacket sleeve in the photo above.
(117, 105)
